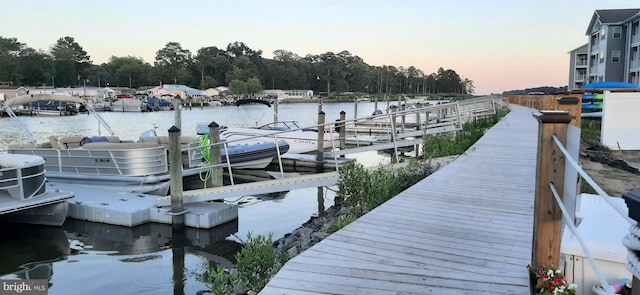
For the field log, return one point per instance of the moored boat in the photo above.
(24, 197)
(301, 140)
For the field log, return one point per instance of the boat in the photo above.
(159, 104)
(141, 164)
(301, 140)
(127, 103)
(43, 104)
(24, 197)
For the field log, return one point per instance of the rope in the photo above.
(205, 152)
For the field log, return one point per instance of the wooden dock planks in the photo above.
(466, 229)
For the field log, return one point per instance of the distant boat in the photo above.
(24, 197)
(127, 103)
(44, 104)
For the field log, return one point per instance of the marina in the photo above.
(118, 181)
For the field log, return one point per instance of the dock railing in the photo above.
(557, 169)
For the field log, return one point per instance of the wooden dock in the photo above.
(466, 229)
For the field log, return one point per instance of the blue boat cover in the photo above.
(610, 85)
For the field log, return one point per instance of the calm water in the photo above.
(89, 258)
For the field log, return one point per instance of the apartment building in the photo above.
(613, 51)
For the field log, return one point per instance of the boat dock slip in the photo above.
(466, 229)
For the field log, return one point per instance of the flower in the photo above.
(550, 280)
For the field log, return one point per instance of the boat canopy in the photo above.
(240, 102)
(29, 98)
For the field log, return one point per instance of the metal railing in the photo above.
(547, 243)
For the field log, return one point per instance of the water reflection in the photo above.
(28, 251)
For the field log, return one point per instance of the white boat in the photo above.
(142, 165)
(128, 103)
(24, 197)
(301, 140)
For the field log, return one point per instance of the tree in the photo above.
(171, 60)
(209, 82)
(253, 86)
(70, 61)
(238, 87)
(9, 51)
(36, 67)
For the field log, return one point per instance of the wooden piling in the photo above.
(215, 150)
(355, 108)
(175, 169)
(550, 166)
(342, 132)
(177, 107)
(320, 152)
(403, 118)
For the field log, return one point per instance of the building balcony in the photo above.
(634, 65)
(581, 63)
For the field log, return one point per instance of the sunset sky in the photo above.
(499, 44)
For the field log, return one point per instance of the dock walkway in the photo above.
(466, 229)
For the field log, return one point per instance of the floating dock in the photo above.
(115, 205)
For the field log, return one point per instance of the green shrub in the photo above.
(255, 264)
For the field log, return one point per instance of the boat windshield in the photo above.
(282, 126)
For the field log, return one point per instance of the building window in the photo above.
(615, 56)
(601, 57)
(603, 33)
(617, 32)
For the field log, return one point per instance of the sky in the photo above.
(500, 45)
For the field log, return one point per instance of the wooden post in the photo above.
(342, 132)
(320, 201)
(547, 216)
(175, 169)
(375, 104)
(392, 139)
(320, 153)
(177, 105)
(355, 108)
(403, 117)
(215, 150)
(275, 110)
(571, 105)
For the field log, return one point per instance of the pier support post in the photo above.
(215, 150)
(177, 107)
(550, 166)
(393, 135)
(175, 168)
(342, 132)
(355, 108)
(403, 117)
(320, 153)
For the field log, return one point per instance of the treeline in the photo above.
(543, 89)
(67, 64)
